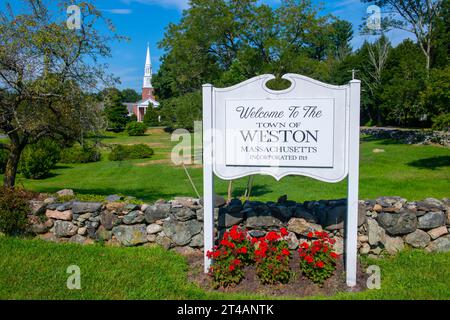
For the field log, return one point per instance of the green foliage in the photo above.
(13, 210)
(38, 159)
(151, 117)
(123, 152)
(136, 128)
(181, 112)
(116, 112)
(80, 154)
(442, 122)
(435, 98)
(130, 95)
(318, 260)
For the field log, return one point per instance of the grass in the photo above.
(410, 171)
(34, 269)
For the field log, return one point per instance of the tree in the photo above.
(130, 95)
(151, 117)
(415, 16)
(46, 71)
(116, 112)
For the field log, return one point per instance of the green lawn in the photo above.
(34, 269)
(410, 171)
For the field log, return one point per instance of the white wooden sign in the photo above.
(309, 129)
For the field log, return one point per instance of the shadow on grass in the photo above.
(381, 141)
(431, 163)
(257, 191)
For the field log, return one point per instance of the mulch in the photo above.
(298, 287)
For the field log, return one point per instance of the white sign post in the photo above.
(309, 129)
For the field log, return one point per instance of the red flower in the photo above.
(320, 264)
(286, 252)
(310, 235)
(334, 255)
(284, 232)
(272, 236)
(243, 250)
(231, 267)
(236, 262)
(309, 259)
(305, 245)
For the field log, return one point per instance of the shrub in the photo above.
(38, 159)
(121, 152)
(80, 154)
(442, 122)
(13, 211)
(230, 257)
(151, 117)
(3, 160)
(136, 128)
(272, 258)
(318, 260)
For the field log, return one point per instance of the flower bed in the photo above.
(270, 255)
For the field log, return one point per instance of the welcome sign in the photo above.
(309, 129)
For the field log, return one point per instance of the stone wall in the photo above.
(409, 136)
(386, 225)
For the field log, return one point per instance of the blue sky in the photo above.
(145, 21)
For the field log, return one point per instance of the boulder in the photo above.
(302, 227)
(261, 220)
(49, 236)
(65, 228)
(375, 233)
(154, 228)
(78, 239)
(109, 220)
(418, 239)
(430, 204)
(183, 214)
(65, 193)
(187, 202)
(84, 207)
(292, 241)
(38, 228)
(115, 207)
(37, 207)
(364, 249)
(334, 217)
(64, 206)
(197, 241)
(133, 217)
(103, 234)
(431, 220)
(130, 235)
(200, 213)
(398, 223)
(228, 219)
(438, 232)
(301, 212)
(82, 231)
(181, 232)
(156, 212)
(391, 204)
(257, 233)
(164, 241)
(393, 244)
(113, 198)
(441, 244)
(58, 215)
(131, 207)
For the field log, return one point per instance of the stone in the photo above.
(153, 228)
(51, 237)
(84, 207)
(85, 216)
(38, 228)
(200, 213)
(78, 239)
(301, 212)
(131, 207)
(441, 244)
(183, 214)
(339, 245)
(109, 220)
(375, 233)
(377, 208)
(398, 223)
(164, 241)
(334, 218)
(262, 219)
(234, 206)
(113, 198)
(438, 232)
(115, 207)
(151, 237)
(181, 232)
(431, 220)
(130, 235)
(292, 241)
(64, 207)
(103, 234)
(365, 249)
(218, 201)
(65, 229)
(376, 251)
(302, 227)
(228, 219)
(363, 238)
(133, 217)
(257, 233)
(37, 207)
(187, 202)
(49, 223)
(418, 239)
(448, 217)
(393, 244)
(281, 212)
(58, 215)
(197, 241)
(144, 207)
(65, 193)
(157, 211)
(82, 231)
(50, 200)
(433, 204)
(186, 251)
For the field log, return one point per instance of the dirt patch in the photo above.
(151, 162)
(298, 287)
(156, 131)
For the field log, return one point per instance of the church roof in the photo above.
(145, 102)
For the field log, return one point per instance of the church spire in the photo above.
(148, 70)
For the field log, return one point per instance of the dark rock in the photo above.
(418, 239)
(281, 212)
(430, 204)
(131, 207)
(158, 211)
(262, 220)
(103, 234)
(181, 232)
(53, 206)
(133, 217)
(37, 207)
(113, 198)
(398, 223)
(183, 214)
(164, 241)
(234, 206)
(197, 241)
(109, 220)
(65, 228)
(38, 228)
(282, 199)
(257, 233)
(228, 219)
(131, 235)
(441, 244)
(84, 207)
(200, 214)
(431, 220)
(65, 206)
(78, 239)
(218, 201)
(301, 212)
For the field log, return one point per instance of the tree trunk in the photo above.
(15, 151)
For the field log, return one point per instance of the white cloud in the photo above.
(179, 4)
(118, 11)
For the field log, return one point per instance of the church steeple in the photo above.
(148, 70)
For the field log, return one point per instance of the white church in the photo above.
(148, 98)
